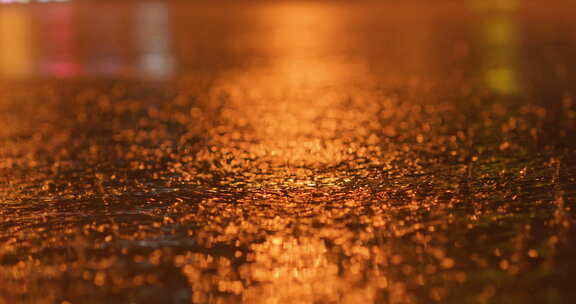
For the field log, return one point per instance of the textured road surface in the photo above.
(287, 152)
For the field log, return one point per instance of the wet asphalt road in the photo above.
(287, 152)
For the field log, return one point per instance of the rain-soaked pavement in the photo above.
(288, 152)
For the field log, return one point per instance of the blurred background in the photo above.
(503, 45)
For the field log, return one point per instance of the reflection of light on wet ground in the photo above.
(274, 179)
(501, 56)
(295, 36)
(499, 40)
(15, 42)
(291, 102)
(154, 35)
(298, 270)
(292, 263)
(300, 34)
(103, 32)
(493, 5)
(61, 29)
(58, 42)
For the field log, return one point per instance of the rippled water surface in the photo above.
(287, 152)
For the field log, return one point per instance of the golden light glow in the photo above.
(494, 5)
(15, 42)
(287, 99)
(300, 34)
(499, 40)
(282, 153)
(501, 37)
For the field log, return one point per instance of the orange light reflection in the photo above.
(293, 96)
(15, 42)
